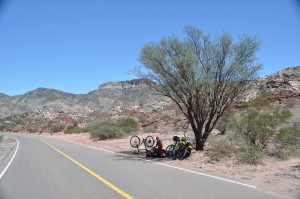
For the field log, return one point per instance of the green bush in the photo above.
(220, 149)
(225, 123)
(106, 132)
(56, 128)
(289, 135)
(259, 127)
(128, 125)
(105, 129)
(73, 129)
(32, 129)
(288, 141)
(95, 124)
(250, 154)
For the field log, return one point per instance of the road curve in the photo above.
(49, 168)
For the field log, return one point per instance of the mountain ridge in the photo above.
(110, 97)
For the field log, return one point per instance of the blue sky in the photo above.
(74, 46)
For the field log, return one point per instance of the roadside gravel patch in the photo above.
(6, 145)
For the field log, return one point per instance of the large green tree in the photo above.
(202, 74)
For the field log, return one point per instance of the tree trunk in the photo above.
(199, 142)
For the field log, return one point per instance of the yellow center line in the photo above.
(92, 173)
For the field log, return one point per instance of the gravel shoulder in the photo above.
(6, 146)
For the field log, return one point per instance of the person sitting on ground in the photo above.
(158, 148)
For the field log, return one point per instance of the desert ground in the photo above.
(280, 177)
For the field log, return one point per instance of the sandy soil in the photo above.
(280, 177)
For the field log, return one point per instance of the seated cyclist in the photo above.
(158, 148)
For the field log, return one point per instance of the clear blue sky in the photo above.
(74, 46)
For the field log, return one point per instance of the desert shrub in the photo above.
(106, 131)
(56, 128)
(288, 142)
(15, 119)
(225, 122)
(255, 129)
(260, 122)
(32, 129)
(128, 125)
(287, 151)
(220, 148)
(250, 154)
(154, 110)
(73, 129)
(7, 125)
(259, 127)
(95, 124)
(290, 135)
(150, 129)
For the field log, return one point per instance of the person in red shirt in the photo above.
(158, 148)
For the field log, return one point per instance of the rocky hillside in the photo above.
(109, 97)
(283, 84)
(48, 108)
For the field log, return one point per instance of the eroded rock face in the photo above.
(123, 84)
(287, 79)
(284, 83)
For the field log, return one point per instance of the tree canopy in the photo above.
(202, 74)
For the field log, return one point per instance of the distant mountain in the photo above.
(2, 95)
(113, 97)
(104, 99)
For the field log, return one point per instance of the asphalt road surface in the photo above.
(45, 168)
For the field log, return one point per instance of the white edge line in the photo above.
(167, 165)
(207, 175)
(179, 168)
(9, 163)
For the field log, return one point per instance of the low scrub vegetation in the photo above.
(1, 138)
(56, 128)
(73, 129)
(288, 142)
(10, 122)
(260, 131)
(220, 148)
(106, 129)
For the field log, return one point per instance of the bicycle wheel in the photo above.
(170, 150)
(135, 141)
(185, 154)
(149, 141)
(179, 153)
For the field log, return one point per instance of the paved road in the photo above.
(49, 168)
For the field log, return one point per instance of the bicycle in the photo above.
(171, 149)
(135, 141)
(181, 148)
